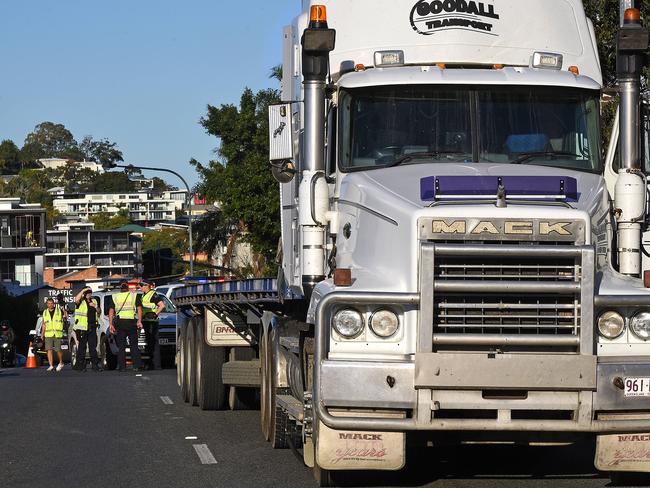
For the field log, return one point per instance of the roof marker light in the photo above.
(359, 67)
(389, 58)
(498, 66)
(318, 13)
(632, 16)
(441, 66)
(575, 70)
(547, 60)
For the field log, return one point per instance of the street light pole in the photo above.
(189, 201)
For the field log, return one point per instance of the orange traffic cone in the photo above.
(31, 357)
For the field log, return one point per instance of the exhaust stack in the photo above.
(317, 42)
(630, 192)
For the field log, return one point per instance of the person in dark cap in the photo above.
(125, 317)
(152, 307)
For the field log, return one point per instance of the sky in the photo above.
(137, 72)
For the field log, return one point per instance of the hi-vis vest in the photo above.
(125, 305)
(81, 314)
(147, 304)
(53, 325)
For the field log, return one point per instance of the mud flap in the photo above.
(623, 452)
(362, 450)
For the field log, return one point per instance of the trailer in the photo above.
(461, 258)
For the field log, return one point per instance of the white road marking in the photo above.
(166, 400)
(139, 374)
(203, 451)
(191, 438)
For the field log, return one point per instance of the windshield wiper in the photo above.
(531, 155)
(420, 155)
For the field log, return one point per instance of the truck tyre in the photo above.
(178, 362)
(265, 387)
(210, 390)
(185, 382)
(191, 363)
(239, 397)
(322, 476)
(621, 478)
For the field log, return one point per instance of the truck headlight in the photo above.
(611, 324)
(640, 325)
(384, 323)
(348, 323)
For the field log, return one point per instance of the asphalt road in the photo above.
(118, 429)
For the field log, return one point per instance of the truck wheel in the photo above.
(211, 391)
(109, 360)
(241, 398)
(622, 478)
(265, 413)
(191, 363)
(185, 382)
(322, 476)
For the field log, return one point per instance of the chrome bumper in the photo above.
(569, 382)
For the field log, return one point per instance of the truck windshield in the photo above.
(392, 125)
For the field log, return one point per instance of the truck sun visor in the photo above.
(435, 188)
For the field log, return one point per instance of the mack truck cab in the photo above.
(470, 257)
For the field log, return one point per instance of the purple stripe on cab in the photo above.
(433, 187)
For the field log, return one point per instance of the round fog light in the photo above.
(348, 323)
(640, 325)
(384, 323)
(611, 325)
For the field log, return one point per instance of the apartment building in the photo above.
(73, 247)
(145, 208)
(22, 243)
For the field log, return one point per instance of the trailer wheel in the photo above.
(210, 390)
(265, 387)
(239, 397)
(185, 382)
(190, 374)
(178, 361)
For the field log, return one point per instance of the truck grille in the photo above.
(517, 300)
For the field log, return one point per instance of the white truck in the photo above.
(460, 255)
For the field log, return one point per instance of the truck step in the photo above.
(292, 406)
(242, 373)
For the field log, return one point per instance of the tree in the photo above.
(174, 239)
(242, 181)
(102, 151)
(9, 156)
(106, 221)
(111, 182)
(605, 15)
(50, 140)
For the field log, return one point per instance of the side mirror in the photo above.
(283, 171)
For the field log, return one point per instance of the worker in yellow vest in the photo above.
(125, 317)
(85, 327)
(54, 319)
(152, 307)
